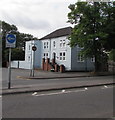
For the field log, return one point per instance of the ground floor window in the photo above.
(45, 55)
(80, 58)
(92, 59)
(62, 55)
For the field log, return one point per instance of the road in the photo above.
(93, 102)
(20, 82)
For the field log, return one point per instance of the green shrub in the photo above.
(112, 55)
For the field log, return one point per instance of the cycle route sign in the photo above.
(10, 41)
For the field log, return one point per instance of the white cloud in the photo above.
(36, 17)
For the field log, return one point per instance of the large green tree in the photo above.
(90, 29)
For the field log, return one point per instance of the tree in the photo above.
(89, 20)
(21, 38)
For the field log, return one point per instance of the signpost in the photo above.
(34, 48)
(10, 43)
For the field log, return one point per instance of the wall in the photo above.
(21, 64)
(29, 53)
(87, 65)
(51, 49)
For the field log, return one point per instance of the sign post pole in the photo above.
(9, 70)
(34, 48)
(10, 43)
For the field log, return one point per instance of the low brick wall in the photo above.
(47, 66)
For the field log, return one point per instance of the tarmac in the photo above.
(39, 74)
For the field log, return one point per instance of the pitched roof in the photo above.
(58, 33)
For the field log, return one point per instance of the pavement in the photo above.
(39, 74)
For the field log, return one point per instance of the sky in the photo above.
(36, 17)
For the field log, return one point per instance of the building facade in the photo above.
(55, 46)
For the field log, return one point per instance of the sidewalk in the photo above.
(24, 74)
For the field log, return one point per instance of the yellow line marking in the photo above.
(24, 78)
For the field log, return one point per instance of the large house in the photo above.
(55, 46)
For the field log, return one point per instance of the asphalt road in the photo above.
(94, 102)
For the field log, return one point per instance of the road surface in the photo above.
(93, 102)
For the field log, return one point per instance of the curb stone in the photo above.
(52, 89)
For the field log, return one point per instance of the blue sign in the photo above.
(10, 40)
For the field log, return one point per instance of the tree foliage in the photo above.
(94, 29)
(21, 38)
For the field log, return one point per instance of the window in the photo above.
(62, 56)
(45, 55)
(80, 58)
(54, 44)
(62, 43)
(29, 47)
(92, 59)
(28, 58)
(45, 45)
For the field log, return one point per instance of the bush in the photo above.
(112, 55)
(17, 54)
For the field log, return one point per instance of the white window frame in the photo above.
(29, 47)
(47, 44)
(62, 56)
(44, 45)
(62, 43)
(54, 44)
(80, 58)
(29, 58)
(45, 55)
(92, 59)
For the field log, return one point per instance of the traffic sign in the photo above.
(10, 40)
(34, 48)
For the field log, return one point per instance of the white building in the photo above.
(56, 46)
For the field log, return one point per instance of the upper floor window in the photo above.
(45, 45)
(62, 43)
(54, 44)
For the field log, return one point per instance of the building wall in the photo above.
(77, 65)
(29, 53)
(57, 49)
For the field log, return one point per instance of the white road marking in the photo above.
(35, 93)
(58, 93)
(86, 88)
(63, 90)
(105, 87)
